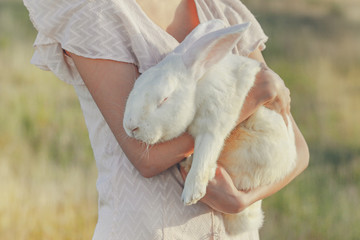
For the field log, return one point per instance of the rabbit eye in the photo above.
(162, 101)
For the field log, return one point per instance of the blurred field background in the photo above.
(47, 171)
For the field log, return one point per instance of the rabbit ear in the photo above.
(198, 32)
(211, 48)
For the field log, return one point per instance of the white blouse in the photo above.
(130, 206)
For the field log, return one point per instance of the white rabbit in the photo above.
(201, 87)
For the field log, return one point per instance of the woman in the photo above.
(100, 47)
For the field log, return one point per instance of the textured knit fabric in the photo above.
(130, 207)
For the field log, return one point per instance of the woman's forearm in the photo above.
(110, 83)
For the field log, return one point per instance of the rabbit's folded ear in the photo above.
(211, 48)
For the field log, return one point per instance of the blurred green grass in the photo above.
(47, 171)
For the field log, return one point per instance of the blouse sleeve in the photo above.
(91, 29)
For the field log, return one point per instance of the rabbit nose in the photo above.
(130, 129)
(134, 130)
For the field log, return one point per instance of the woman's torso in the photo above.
(130, 206)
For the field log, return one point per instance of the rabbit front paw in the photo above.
(194, 189)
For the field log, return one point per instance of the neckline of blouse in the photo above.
(156, 26)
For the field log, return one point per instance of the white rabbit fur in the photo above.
(201, 88)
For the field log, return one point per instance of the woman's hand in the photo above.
(274, 94)
(269, 90)
(222, 195)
